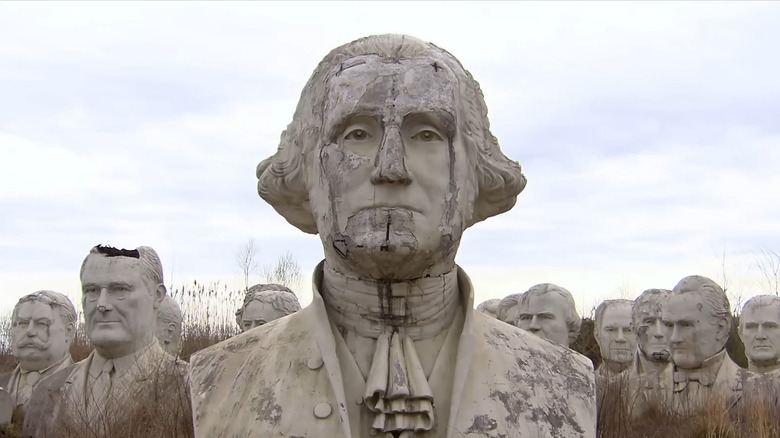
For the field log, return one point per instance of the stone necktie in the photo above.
(101, 388)
(25, 392)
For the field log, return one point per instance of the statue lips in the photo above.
(33, 344)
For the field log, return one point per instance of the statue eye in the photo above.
(427, 135)
(357, 135)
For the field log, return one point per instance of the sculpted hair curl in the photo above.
(282, 178)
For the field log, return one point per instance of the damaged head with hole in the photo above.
(389, 158)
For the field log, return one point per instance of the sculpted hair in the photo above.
(606, 304)
(56, 300)
(505, 305)
(281, 297)
(151, 266)
(573, 320)
(760, 301)
(652, 299)
(710, 292)
(282, 180)
(489, 307)
(170, 311)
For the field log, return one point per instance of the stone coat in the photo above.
(284, 379)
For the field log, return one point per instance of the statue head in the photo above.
(389, 157)
(489, 307)
(614, 331)
(650, 330)
(759, 328)
(264, 303)
(169, 321)
(44, 323)
(546, 310)
(697, 315)
(121, 292)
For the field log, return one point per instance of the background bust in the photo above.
(759, 328)
(169, 325)
(264, 303)
(546, 310)
(43, 329)
(614, 332)
(651, 333)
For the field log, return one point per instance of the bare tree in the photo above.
(246, 258)
(286, 271)
(768, 263)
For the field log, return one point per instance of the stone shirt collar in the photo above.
(122, 365)
(420, 308)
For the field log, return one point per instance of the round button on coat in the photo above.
(322, 410)
(314, 363)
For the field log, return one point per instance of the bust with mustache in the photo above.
(42, 332)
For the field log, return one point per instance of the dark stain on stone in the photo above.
(266, 408)
(482, 424)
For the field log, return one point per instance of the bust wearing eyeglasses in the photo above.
(122, 291)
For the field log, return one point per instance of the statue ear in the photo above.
(723, 330)
(159, 294)
(70, 331)
(171, 327)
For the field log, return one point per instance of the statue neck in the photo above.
(614, 367)
(761, 367)
(648, 364)
(420, 308)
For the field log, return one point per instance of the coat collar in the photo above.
(327, 346)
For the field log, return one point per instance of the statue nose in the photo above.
(390, 161)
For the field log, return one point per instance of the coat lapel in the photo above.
(465, 352)
(327, 346)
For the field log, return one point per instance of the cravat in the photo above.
(681, 379)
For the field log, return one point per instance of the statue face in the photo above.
(693, 330)
(544, 317)
(257, 313)
(169, 335)
(616, 337)
(119, 309)
(40, 336)
(652, 335)
(761, 334)
(391, 169)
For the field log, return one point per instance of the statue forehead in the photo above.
(104, 266)
(34, 308)
(764, 312)
(687, 305)
(616, 312)
(369, 85)
(549, 298)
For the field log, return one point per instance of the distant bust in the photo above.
(489, 307)
(651, 333)
(42, 332)
(546, 310)
(614, 332)
(389, 158)
(264, 303)
(697, 316)
(127, 372)
(759, 328)
(169, 325)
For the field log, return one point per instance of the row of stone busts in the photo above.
(664, 341)
(121, 291)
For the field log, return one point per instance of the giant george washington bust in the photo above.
(389, 158)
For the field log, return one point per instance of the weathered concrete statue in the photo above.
(169, 325)
(44, 323)
(389, 158)
(759, 328)
(264, 303)
(698, 317)
(128, 376)
(652, 356)
(489, 307)
(546, 310)
(614, 332)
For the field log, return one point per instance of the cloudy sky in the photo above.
(649, 133)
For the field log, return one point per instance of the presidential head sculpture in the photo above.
(44, 323)
(614, 332)
(697, 315)
(264, 303)
(169, 325)
(650, 330)
(389, 157)
(759, 328)
(546, 310)
(121, 292)
(489, 307)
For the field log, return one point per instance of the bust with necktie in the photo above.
(390, 158)
(697, 317)
(121, 293)
(42, 332)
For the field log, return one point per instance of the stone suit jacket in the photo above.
(730, 381)
(283, 379)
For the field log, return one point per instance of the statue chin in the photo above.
(382, 244)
